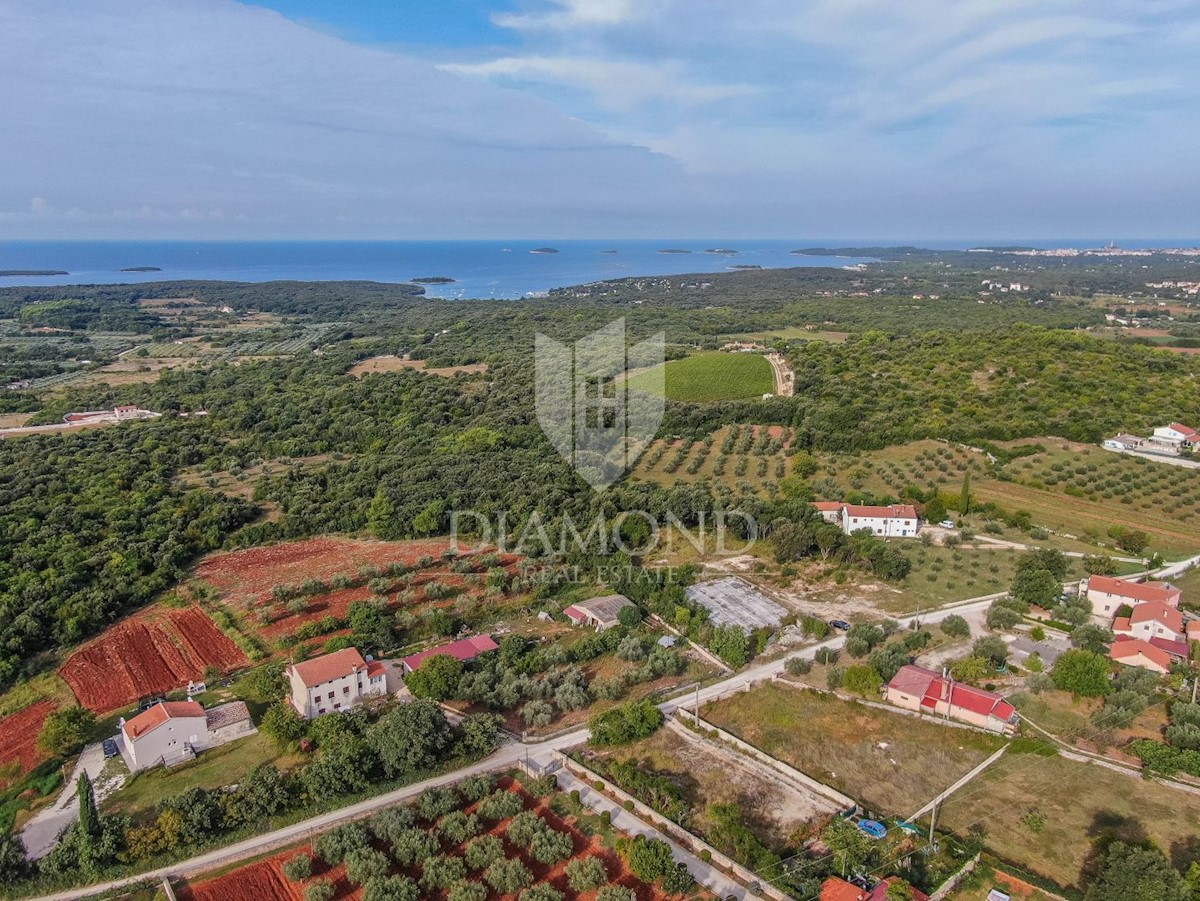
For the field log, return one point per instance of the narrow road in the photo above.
(785, 379)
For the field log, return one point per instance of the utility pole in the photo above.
(933, 826)
(697, 706)
(1195, 682)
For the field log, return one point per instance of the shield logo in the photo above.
(586, 407)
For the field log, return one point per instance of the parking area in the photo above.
(732, 601)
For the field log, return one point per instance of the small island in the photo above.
(722, 250)
(674, 250)
(14, 273)
(434, 280)
(744, 266)
(142, 269)
(543, 250)
(608, 251)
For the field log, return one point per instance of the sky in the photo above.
(808, 119)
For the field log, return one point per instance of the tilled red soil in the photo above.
(18, 738)
(155, 651)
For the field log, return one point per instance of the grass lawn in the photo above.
(838, 742)
(211, 769)
(711, 377)
(1077, 802)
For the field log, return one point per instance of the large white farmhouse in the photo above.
(1177, 434)
(896, 521)
(1107, 594)
(337, 681)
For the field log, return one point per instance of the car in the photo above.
(947, 524)
(839, 624)
(110, 748)
(873, 828)
(861, 881)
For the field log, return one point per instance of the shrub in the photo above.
(298, 868)
(1082, 673)
(390, 822)
(649, 858)
(467, 891)
(586, 873)
(391, 888)
(614, 893)
(457, 827)
(862, 680)
(626, 723)
(678, 880)
(507, 876)
(334, 845)
(956, 626)
(798, 666)
(500, 805)
(551, 846)
(543, 892)
(414, 845)
(480, 853)
(442, 871)
(524, 827)
(436, 802)
(320, 891)
(364, 864)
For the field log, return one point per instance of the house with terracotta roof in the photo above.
(1150, 620)
(167, 733)
(600, 613)
(1176, 435)
(1140, 653)
(1107, 594)
(925, 691)
(339, 681)
(895, 521)
(835, 889)
(831, 511)
(464, 649)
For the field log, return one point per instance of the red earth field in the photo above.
(18, 739)
(245, 579)
(154, 651)
(264, 879)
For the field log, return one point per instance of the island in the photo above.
(744, 266)
(543, 250)
(13, 273)
(434, 280)
(608, 251)
(142, 269)
(674, 250)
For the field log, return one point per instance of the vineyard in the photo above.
(754, 456)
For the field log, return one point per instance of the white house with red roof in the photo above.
(169, 732)
(895, 521)
(338, 681)
(831, 511)
(925, 691)
(464, 649)
(1140, 653)
(1107, 594)
(1152, 619)
(1176, 435)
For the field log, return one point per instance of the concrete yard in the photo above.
(733, 601)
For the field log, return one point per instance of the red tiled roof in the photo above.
(1174, 648)
(828, 506)
(1121, 624)
(834, 889)
(464, 649)
(574, 612)
(1131, 647)
(329, 667)
(1157, 611)
(151, 719)
(910, 679)
(375, 668)
(1184, 430)
(896, 511)
(1193, 630)
(1136, 591)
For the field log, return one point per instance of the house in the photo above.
(128, 411)
(172, 732)
(1123, 442)
(338, 681)
(835, 889)
(831, 511)
(1107, 594)
(924, 691)
(896, 521)
(464, 649)
(1176, 435)
(602, 613)
(1139, 653)
(169, 732)
(1153, 619)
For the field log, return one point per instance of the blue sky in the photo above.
(821, 119)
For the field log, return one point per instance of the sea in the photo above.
(480, 269)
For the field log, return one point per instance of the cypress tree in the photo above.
(964, 499)
(89, 819)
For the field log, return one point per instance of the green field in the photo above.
(711, 377)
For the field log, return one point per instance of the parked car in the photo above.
(839, 624)
(947, 524)
(110, 748)
(873, 828)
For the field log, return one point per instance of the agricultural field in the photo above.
(463, 835)
(1046, 812)
(157, 650)
(887, 761)
(751, 455)
(798, 333)
(19, 753)
(288, 590)
(682, 775)
(1077, 490)
(707, 377)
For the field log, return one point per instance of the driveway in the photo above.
(41, 833)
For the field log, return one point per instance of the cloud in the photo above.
(212, 117)
(573, 14)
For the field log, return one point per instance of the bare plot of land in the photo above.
(892, 763)
(735, 602)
